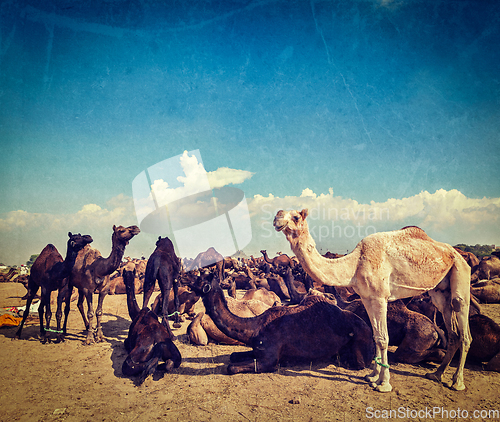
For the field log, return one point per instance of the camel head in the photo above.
(124, 234)
(291, 223)
(77, 242)
(203, 283)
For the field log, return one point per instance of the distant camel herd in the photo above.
(397, 288)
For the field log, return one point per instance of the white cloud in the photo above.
(224, 176)
(338, 223)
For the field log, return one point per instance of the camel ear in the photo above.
(114, 228)
(69, 234)
(304, 213)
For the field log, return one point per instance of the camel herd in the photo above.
(396, 288)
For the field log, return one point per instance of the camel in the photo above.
(388, 266)
(485, 346)
(91, 274)
(487, 291)
(316, 329)
(488, 268)
(148, 342)
(254, 302)
(187, 301)
(164, 266)
(470, 258)
(280, 260)
(416, 336)
(48, 272)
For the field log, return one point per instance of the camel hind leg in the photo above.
(452, 298)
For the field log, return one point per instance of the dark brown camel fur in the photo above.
(485, 346)
(48, 272)
(487, 291)
(277, 261)
(164, 266)
(487, 269)
(415, 335)
(148, 341)
(314, 330)
(91, 274)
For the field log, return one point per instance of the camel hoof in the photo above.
(384, 388)
(433, 376)
(459, 386)
(371, 380)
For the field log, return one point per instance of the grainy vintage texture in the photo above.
(73, 382)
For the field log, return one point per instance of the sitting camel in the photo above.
(246, 307)
(148, 341)
(388, 266)
(485, 346)
(164, 266)
(488, 268)
(487, 291)
(316, 329)
(202, 329)
(48, 272)
(416, 336)
(91, 274)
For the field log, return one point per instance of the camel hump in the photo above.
(416, 232)
(48, 249)
(129, 266)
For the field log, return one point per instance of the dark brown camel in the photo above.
(314, 330)
(485, 346)
(91, 274)
(148, 341)
(416, 336)
(487, 269)
(164, 266)
(487, 291)
(48, 272)
(280, 260)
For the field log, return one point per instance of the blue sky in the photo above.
(393, 105)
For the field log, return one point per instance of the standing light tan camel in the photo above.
(388, 266)
(91, 274)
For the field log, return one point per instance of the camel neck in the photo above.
(242, 329)
(338, 271)
(69, 261)
(112, 262)
(133, 307)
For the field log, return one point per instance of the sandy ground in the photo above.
(73, 382)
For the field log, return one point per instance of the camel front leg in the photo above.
(62, 297)
(90, 314)
(177, 319)
(79, 305)
(377, 311)
(99, 335)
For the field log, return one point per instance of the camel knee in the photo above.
(381, 341)
(458, 304)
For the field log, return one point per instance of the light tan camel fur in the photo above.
(388, 266)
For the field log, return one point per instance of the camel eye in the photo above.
(295, 218)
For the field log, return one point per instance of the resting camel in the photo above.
(488, 268)
(416, 336)
(316, 329)
(48, 272)
(388, 266)
(91, 274)
(148, 341)
(485, 346)
(277, 261)
(164, 266)
(487, 291)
